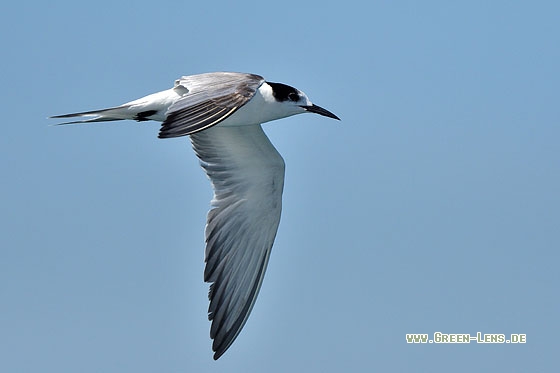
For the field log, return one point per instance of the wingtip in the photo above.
(219, 352)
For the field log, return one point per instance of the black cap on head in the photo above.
(283, 92)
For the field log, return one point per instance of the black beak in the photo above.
(319, 110)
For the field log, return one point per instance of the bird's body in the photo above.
(222, 113)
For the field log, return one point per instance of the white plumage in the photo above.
(222, 113)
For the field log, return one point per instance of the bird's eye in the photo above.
(293, 97)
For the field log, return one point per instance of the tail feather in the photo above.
(103, 115)
(91, 120)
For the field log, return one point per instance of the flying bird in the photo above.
(222, 113)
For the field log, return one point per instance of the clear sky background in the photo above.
(432, 206)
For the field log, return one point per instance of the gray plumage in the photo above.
(211, 98)
(247, 179)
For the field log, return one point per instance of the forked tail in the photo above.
(106, 115)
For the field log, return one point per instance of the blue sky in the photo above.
(433, 206)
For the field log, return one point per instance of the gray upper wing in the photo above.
(211, 98)
(247, 176)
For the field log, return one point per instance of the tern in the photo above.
(222, 113)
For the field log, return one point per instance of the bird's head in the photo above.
(294, 101)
